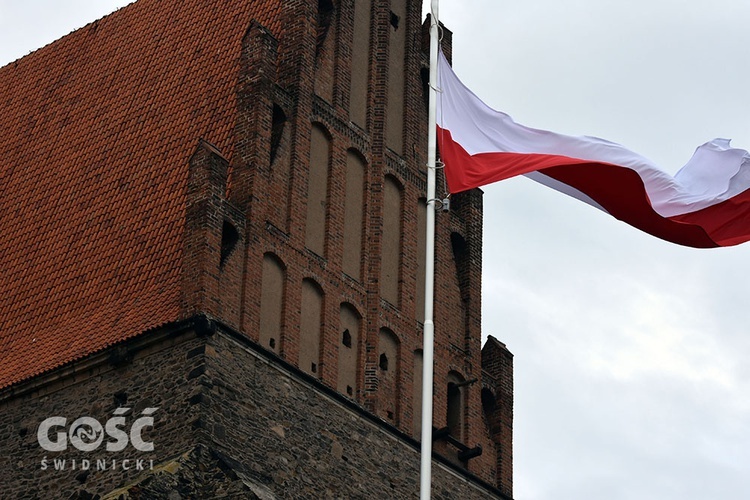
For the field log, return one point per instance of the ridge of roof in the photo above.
(98, 128)
(33, 51)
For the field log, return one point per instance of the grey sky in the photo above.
(631, 380)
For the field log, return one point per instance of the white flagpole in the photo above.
(429, 282)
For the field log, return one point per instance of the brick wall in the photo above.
(254, 203)
(272, 200)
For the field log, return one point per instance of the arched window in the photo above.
(388, 375)
(349, 321)
(416, 400)
(311, 315)
(394, 127)
(390, 264)
(360, 59)
(353, 214)
(271, 302)
(454, 411)
(317, 190)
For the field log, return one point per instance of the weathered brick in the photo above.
(245, 197)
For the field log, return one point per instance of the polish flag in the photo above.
(706, 204)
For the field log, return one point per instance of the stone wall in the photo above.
(156, 370)
(231, 418)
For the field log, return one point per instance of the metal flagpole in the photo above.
(429, 282)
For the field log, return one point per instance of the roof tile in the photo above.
(97, 129)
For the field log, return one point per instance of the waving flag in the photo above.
(706, 204)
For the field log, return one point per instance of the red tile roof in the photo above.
(97, 129)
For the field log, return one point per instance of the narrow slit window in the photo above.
(229, 239)
(278, 121)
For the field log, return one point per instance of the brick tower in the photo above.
(216, 209)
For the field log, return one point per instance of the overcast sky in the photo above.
(630, 352)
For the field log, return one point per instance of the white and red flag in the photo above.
(706, 204)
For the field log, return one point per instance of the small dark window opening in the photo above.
(461, 260)
(229, 239)
(453, 411)
(121, 398)
(460, 248)
(349, 390)
(314, 368)
(277, 129)
(325, 16)
(346, 338)
(488, 405)
(383, 362)
(394, 20)
(272, 343)
(390, 415)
